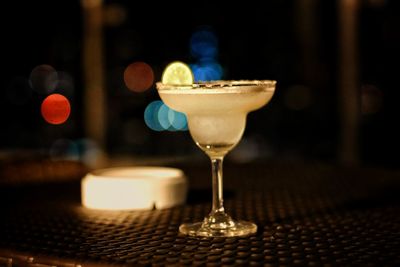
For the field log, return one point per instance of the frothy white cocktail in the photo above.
(217, 111)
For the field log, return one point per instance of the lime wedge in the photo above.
(177, 73)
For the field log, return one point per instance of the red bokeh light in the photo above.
(139, 76)
(55, 109)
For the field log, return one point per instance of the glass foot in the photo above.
(237, 228)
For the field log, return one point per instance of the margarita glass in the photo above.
(216, 113)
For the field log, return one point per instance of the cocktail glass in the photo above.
(216, 113)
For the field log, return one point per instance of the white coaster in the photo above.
(130, 188)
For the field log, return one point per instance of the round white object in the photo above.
(130, 188)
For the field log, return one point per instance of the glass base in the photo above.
(237, 228)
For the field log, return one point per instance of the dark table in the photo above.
(307, 214)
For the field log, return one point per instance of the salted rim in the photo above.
(267, 84)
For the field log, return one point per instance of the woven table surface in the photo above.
(307, 215)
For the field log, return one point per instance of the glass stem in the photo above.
(217, 199)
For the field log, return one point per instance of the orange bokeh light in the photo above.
(139, 76)
(55, 109)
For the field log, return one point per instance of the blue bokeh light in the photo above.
(204, 44)
(151, 116)
(177, 120)
(204, 47)
(207, 70)
(64, 149)
(163, 117)
(159, 117)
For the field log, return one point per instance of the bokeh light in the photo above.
(18, 92)
(43, 79)
(163, 117)
(371, 99)
(207, 70)
(159, 117)
(151, 116)
(55, 109)
(204, 44)
(90, 153)
(139, 76)
(66, 84)
(84, 150)
(204, 47)
(177, 120)
(64, 149)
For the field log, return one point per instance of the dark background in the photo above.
(256, 40)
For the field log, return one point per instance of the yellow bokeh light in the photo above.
(177, 73)
(133, 188)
